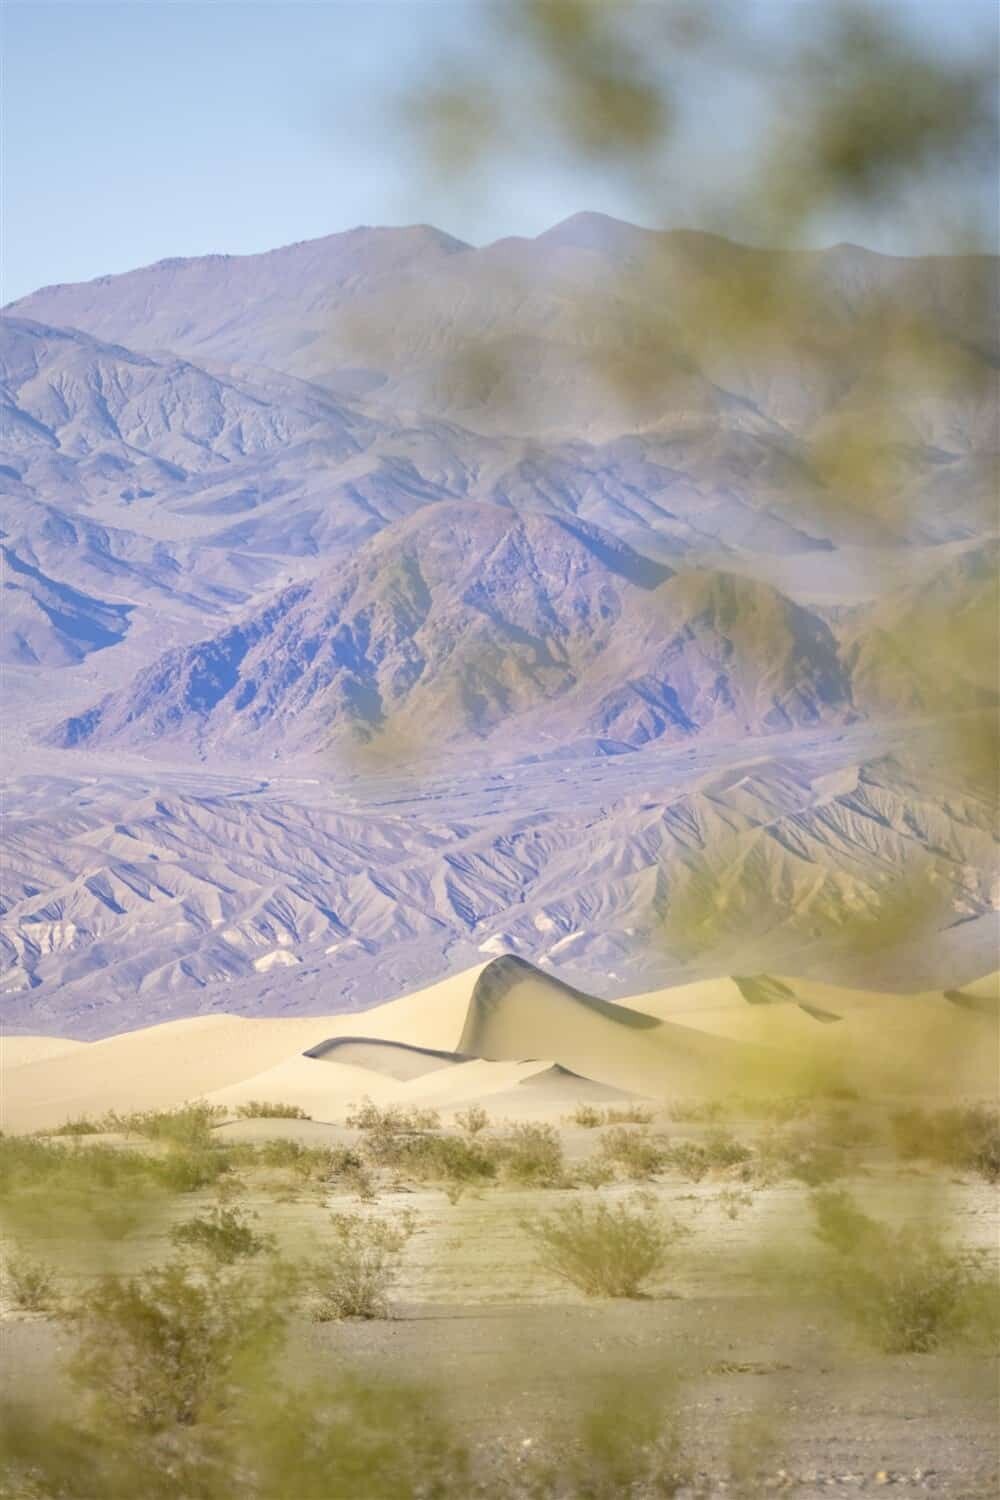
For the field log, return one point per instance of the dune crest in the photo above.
(519, 1040)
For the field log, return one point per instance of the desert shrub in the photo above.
(355, 1278)
(628, 1444)
(392, 1118)
(805, 1156)
(594, 1173)
(903, 1288)
(590, 1117)
(184, 1170)
(696, 1111)
(308, 1163)
(629, 1114)
(734, 1200)
(258, 1109)
(354, 1440)
(587, 1116)
(967, 1138)
(168, 1348)
(190, 1126)
(638, 1155)
(605, 1252)
(780, 1109)
(81, 1126)
(472, 1120)
(451, 1159)
(51, 1187)
(347, 1439)
(30, 1285)
(694, 1159)
(223, 1235)
(533, 1156)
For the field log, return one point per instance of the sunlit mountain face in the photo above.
(338, 659)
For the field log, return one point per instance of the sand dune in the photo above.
(519, 1040)
(16, 1050)
(388, 1059)
(515, 1010)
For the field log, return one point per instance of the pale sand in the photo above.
(524, 1029)
(16, 1050)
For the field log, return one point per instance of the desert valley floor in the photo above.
(474, 1315)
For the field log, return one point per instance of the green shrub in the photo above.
(223, 1235)
(472, 1120)
(629, 1114)
(903, 1289)
(29, 1285)
(638, 1155)
(190, 1126)
(81, 1126)
(605, 1252)
(391, 1119)
(696, 1111)
(257, 1109)
(353, 1439)
(355, 1278)
(694, 1159)
(49, 1187)
(591, 1174)
(533, 1156)
(166, 1348)
(587, 1116)
(627, 1445)
(733, 1201)
(804, 1156)
(966, 1138)
(187, 1170)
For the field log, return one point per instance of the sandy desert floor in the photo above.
(512, 1354)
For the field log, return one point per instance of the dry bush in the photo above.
(29, 1284)
(447, 1159)
(590, 1117)
(532, 1156)
(638, 1155)
(82, 1125)
(190, 1126)
(392, 1118)
(258, 1109)
(966, 1138)
(696, 1111)
(587, 1115)
(733, 1201)
(605, 1252)
(591, 1174)
(472, 1120)
(223, 1235)
(354, 1279)
(629, 1114)
(695, 1159)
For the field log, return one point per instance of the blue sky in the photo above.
(149, 128)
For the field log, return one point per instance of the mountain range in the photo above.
(369, 508)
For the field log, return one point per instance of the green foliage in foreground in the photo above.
(968, 1139)
(903, 1289)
